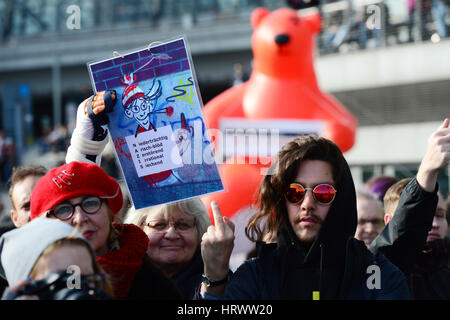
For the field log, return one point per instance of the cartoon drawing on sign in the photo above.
(158, 133)
(183, 138)
(139, 105)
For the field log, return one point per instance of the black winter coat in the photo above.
(336, 264)
(149, 276)
(403, 241)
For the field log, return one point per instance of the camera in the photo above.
(55, 287)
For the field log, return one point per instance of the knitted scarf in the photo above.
(122, 264)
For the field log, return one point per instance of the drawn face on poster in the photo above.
(137, 104)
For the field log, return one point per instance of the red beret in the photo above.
(74, 179)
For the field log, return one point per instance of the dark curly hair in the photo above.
(272, 212)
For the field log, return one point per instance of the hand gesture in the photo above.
(436, 157)
(217, 245)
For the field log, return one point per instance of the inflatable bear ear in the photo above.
(258, 15)
(314, 21)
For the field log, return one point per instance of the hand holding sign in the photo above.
(217, 245)
(98, 103)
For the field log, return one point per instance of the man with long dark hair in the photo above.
(309, 206)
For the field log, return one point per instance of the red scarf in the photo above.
(122, 265)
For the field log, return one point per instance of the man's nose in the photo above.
(308, 201)
(435, 224)
(370, 227)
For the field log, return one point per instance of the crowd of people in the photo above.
(55, 140)
(361, 22)
(316, 236)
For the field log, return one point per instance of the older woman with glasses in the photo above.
(175, 231)
(82, 194)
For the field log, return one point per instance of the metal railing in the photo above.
(362, 24)
(347, 24)
(31, 17)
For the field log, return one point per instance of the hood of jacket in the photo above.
(324, 261)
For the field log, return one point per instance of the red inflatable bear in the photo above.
(282, 86)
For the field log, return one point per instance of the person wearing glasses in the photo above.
(83, 195)
(175, 232)
(50, 250)
(309, 204)
(370, 217)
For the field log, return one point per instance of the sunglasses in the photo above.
(323, 193)
(64, 211)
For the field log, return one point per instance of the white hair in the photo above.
(193, 207)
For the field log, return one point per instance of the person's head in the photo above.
(137, 104)
(370, 217)
(439, 225)
(80, 194)
(392, 197)
(301, 189)
(45, 246)
(139, 109)
(174, 230)
(378, 185)
(23, 180)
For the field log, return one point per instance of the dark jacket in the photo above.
(429, 278)
(260, 278)
(190, 278)
(151, 284)
(404, 237)
(336, 264)
(403, 242)
(6, 225)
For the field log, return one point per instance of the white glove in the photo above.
(81, 143)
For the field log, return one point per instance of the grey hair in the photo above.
(363, 194)
(193, 207)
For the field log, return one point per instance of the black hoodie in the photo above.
(335, 264)
(321, 268)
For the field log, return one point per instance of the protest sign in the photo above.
(157, 125)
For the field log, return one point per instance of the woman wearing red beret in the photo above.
(83, 195)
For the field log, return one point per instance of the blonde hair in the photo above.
(363, 194)
(193, 207)
(393, 194)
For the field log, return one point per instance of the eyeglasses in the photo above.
(375, 222)
(162, 226)
(64, 211)
(323, 193)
